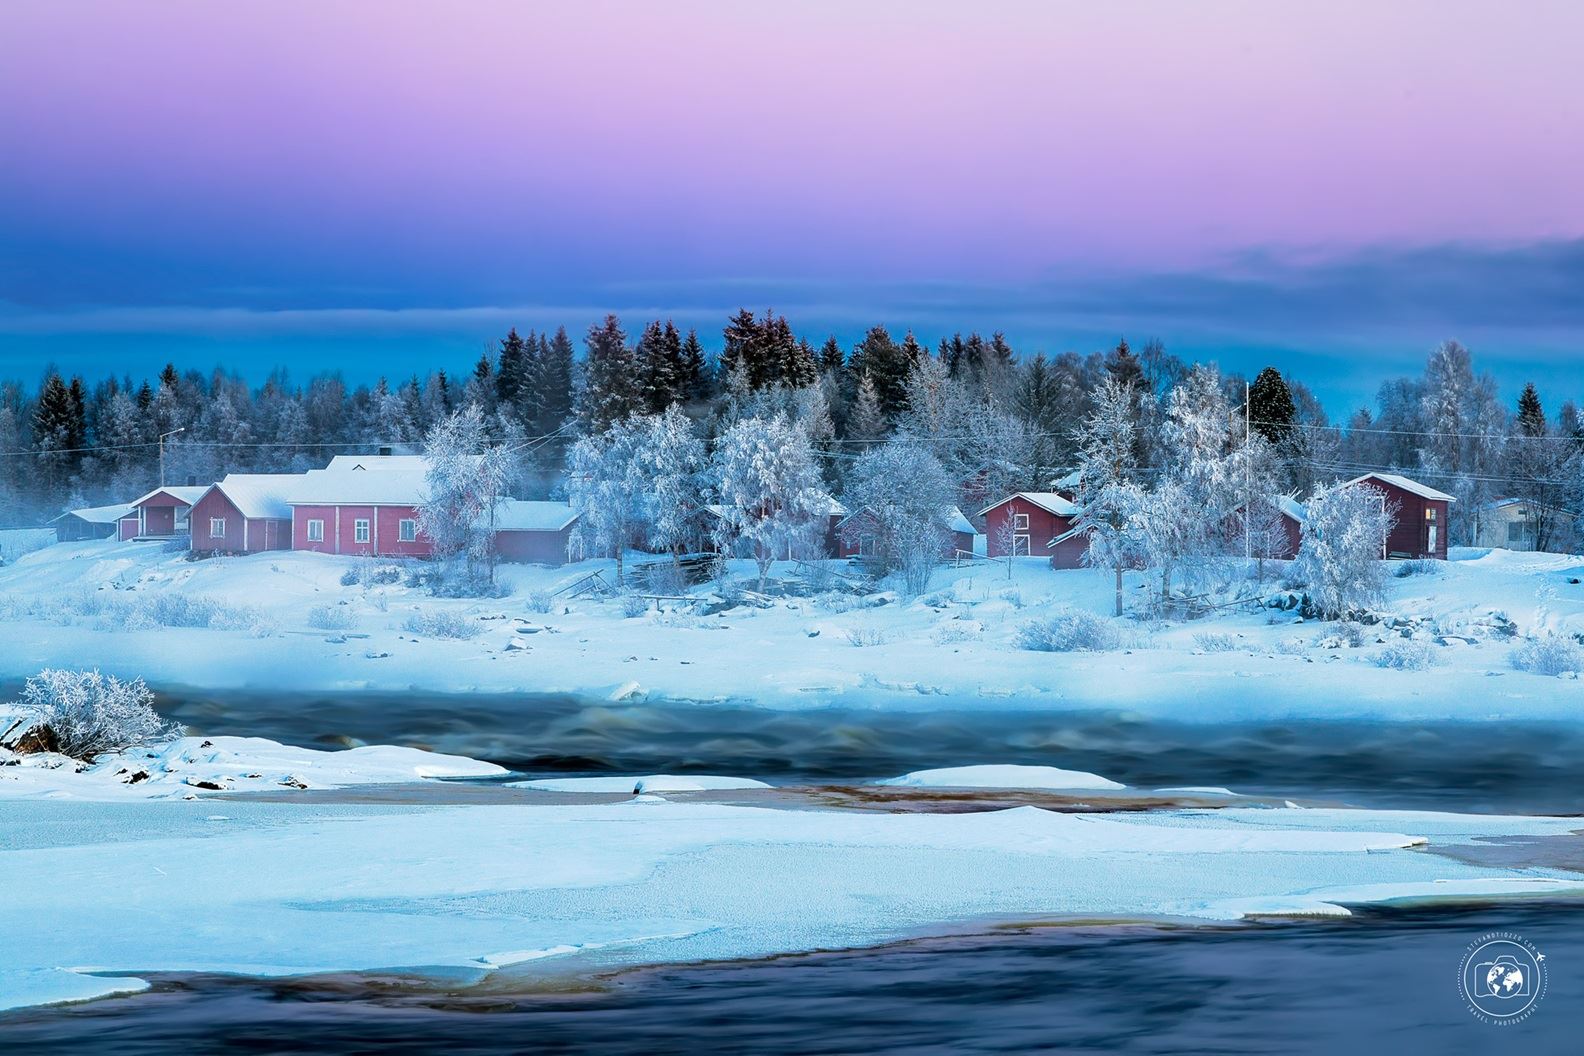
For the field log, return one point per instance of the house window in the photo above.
(360, 531)
(1020, 522)
(1519, 532)
(1430, 513)
(217, 527)
(1020, 545)
(407, 530)
(181, 518)
(316, 531)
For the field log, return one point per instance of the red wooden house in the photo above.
(243, 514)
(1029, 522)
(358, 511)
(160, 514)
(1420, 530)
(859, 533)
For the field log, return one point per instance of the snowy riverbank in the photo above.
(515, 892)
(285, 621)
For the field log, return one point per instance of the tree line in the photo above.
(993, 419)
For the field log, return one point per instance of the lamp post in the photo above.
(173, 432)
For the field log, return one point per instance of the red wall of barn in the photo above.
(544, 548)
(1043, 526)
(1409, 534)
(1069, 553)
(242, 536)
(159, 519)
(127, 528)
(384, 530)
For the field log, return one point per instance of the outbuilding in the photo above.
(535, 532)
(91, 522)
(858, 534)
(245, 513)
(1420, 528)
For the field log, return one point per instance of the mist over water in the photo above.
(1530, 768)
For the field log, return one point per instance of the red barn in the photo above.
(1420, 530)
(534, 532)
(1030, 518)
(160, 514)
(858, 533)
(243, 514)
(1277, 537)
(357, 511)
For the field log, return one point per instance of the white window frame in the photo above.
(217, 527)
(180, 520)
(316, 530)
(407, 530)
(360, 530)
(1020, 522)
(1021, 545)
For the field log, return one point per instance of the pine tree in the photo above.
(52, 436)
(513, 373)
(739, 355)
(1531, 416)
(611, 388)
(866, 422)
(1271, 407)
(1123, 366)
(661, 366)
(695, 370)
(880, 360)
(554, 386)
(831, 358)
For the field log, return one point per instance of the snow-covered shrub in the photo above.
(1404, 569)
(633, 605)
(1548, 654)
(1291, 647)
(1012, 596)
(331, 618)
(540, 601)
(1347, 634)
(906, 498)
(957, 631)
(835, 602)
(84, 713)
(181, 610)
(1407, 654)
(863, 637)
(443, 625)
(1339, 561)
(1070, 630)
(351, 577)
(251, 621)
(941, 598)
(1213, 642)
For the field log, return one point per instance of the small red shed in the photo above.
(858, 534)
(534, 532)
(1420, 530)
(160, 514)
(244, 514)
(1031, 519)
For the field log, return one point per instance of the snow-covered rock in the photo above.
(638, 785)
(1005, 776)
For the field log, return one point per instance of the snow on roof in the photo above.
(259, 495)
(188, 494)
(344, 487)
(1071, 481)
(1049, 501)
(527, 515)
(406, 463)
(98, 514)
(1413, 487)
(957, 522)
(1068, 534)
(1290, 505)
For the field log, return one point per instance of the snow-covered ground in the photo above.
(73, 604)
(98, 892)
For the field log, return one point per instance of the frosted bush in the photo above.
(182, 610)
(1548, 654)
(1012, 596)
(84, 713)
(958, 631)
(1404, 569)
(863, 637)
(1407, 654)
(331, 618)
(443, 625)
(633, 605)
(834, 602)
(1292, 647)
(1070, 630)
(1212, 642)
(540, 601)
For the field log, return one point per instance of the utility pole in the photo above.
(173, 432)
(1248, 477)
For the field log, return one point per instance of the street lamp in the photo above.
(173, 432)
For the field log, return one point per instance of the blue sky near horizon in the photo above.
(383, 190)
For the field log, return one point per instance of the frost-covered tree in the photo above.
(769, 484)
(1341, 558)
(908, 497)
(466, 476)
(611, 387)
(608, 487)
(671, 460)
(1111, 501)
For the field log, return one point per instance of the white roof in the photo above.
(186, 493)
(1072, 481)
(353, 487)
(1048, 501)
(1289, 505)
(525, 515)
(259, 495)
(1410, 486)
(99, 514)
(958, 523)
(378, 462)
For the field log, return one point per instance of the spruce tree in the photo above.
(1271, 406)
(741, 348)
(831, 358)
(1123, 366)
(1531, 416)
(695, 369)
(881, 361)
(512, 380)
(660, 366)
(553, 384)
(611, 388)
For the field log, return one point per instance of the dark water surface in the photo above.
(1384, 981)
(1465, 766)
